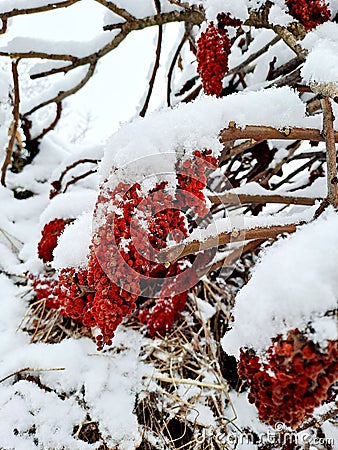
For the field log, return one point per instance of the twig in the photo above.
(28, 369)
(78, 178)
(171, 254)
(15, 123)
(254, 56)
(25, 11)
(294, 173)
(189, 382)
(157, 61)
(172, 66)
(331, 153)
(63, 94)
(53, 124)
(236, 199)
(261, 133)
(314, 422)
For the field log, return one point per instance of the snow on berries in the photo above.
(122, 271)
(50, 233)
(294, 378)
(310, 13)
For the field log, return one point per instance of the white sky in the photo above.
(121, 78)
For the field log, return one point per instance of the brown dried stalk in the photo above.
(261, 133)
(15, 123)
(331, 152)
(171, 254)
(237, 199)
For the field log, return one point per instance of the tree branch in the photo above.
(237, 199)
(156, 64)
(63, 94)
(261, 133)
(176, 252)
(15, 123)
(53, 124)
(49, 7)
(331, 153)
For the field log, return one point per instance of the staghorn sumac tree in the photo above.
(170, 213)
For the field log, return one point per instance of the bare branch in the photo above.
(157, 62)
(15, 123)
(49, 7)
(115, 9)
(63, 94)
(261, 133)
(78, 178)
(235, 199)
(53, 124)
(171, 254)
(331, 152)
(172, 65)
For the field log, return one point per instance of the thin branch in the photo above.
(315, 422)
(188, 382)
(4, 26)
(117, 10)
(58, 183)
(78, 178)
(237, 199)
(331, 153)
(53, 124)
(254, 56)
(28, 369)
(261, 133)
(25, 11)
(172, 66)
(238, 149)
(171, 254)
(294, 173)
(15, 123)
(63, 94)
(157, 61)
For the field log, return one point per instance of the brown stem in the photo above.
(236, 199)
(176, 252)
(15, 123)
(261, 133)
(78, 178)
(53, 124)
(331, 153)
(172, 65)
(157, 62)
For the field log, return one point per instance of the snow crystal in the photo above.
(295, 283)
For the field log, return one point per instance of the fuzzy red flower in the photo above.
(213, 49)
(50, 233)
(310, 13)
(295, 378)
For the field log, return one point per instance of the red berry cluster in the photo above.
(44, 289)
(213, 49)
(225, 20)
(133, 228)
(50, 233)
(294, 379)
(310, 13)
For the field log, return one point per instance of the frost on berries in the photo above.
(133, 227)
(310, 13)
(295, 377)
(48, 241)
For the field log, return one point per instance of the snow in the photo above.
(304, 290)
(73, 244)
(7, 5)
(196, 125)
(105, 385)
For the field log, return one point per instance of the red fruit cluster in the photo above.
(213, 49)
(44, 289)
(122, 257)
(50, 233)
(310, 13)
(294, 379)
(225, 20)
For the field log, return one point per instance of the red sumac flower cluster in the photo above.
(310, 13)
(50, 233)
(213, 49)
(133, 227)
(294, 378)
